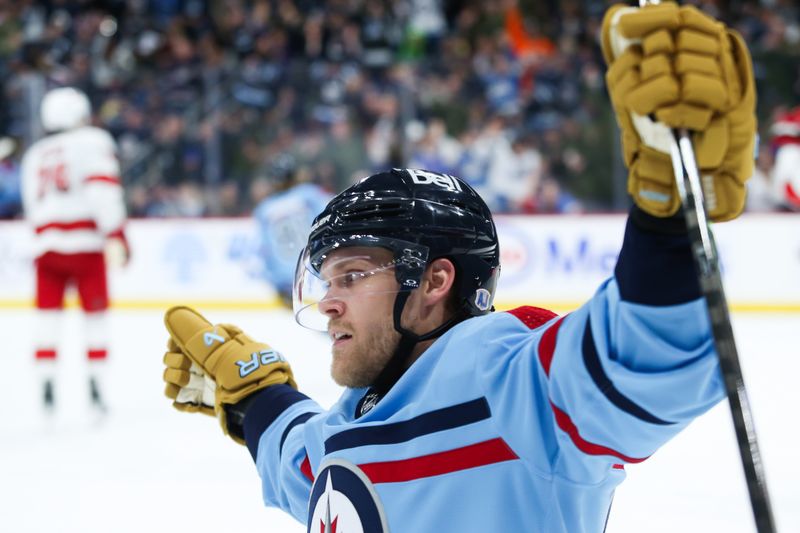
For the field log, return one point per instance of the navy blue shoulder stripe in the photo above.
(300, 419)
(592, 361)
(266, 406)
(442, 419)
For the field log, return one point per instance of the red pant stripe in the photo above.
(45, 354)
(97, 354)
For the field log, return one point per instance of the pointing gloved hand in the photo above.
(210, 366)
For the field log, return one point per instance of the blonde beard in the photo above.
(363, 364)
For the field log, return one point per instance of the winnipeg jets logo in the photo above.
(328, 525)
(343, 500)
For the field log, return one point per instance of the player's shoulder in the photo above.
(518, 321)
(92, 134)
(531, 316)
(268, 203)
(311, 190)
(33, 154)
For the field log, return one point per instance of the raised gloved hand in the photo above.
(210, 366)
(675, 67)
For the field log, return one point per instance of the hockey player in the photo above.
(786, 170)
(73, 201)
(455, 418)
(283, 220)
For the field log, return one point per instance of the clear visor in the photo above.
(340, 280)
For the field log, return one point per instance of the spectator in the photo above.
(206, 92)
(10, 193)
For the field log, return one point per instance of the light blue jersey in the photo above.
(514, 421)
(283, 220)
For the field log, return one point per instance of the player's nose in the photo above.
(331, 306)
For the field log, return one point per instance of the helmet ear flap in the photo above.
(476, 284)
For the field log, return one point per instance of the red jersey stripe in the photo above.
(547, 346)
(568, 426)
(305, 468)
(67, 226)
(531, 316)
(103, 179)
(480, 454)
(117, 234)
(791, 195)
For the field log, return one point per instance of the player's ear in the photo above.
(439, 279)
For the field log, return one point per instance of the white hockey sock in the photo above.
(46, 370)
(98, 370)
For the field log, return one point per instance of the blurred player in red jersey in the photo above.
(786, 170)
(73, 201)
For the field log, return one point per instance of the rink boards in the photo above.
(549, 261)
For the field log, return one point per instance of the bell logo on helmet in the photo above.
(320, 222)
(483, 299)
(425, 177)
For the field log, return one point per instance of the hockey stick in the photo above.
(706, 260)
(704, 251)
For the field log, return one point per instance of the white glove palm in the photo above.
(191, 389)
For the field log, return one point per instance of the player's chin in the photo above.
(343, 376)
(340, 364)
(347, 372)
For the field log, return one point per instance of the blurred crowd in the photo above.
(203, 95)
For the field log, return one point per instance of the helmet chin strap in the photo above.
(396, 366)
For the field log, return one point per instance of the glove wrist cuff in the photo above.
(234, 416)
(671, 225)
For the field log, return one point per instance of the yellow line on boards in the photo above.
(147, 305)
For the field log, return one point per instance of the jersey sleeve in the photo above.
(623, 374)
(100, 178)
(273, 428)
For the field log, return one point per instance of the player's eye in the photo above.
(351, 278)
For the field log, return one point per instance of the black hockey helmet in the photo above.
(420, 216)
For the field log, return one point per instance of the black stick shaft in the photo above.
(706, 260)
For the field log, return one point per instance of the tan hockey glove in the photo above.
(219, 357)
(675, 67)
(188, 386)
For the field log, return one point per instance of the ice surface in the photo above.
(151, 468)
